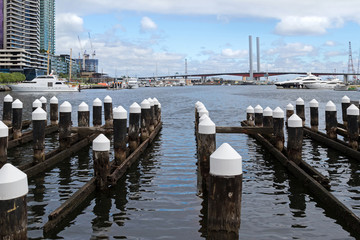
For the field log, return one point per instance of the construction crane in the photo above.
(92, 49)
(83, 54)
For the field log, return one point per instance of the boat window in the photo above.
(58, 83)
(50, 84)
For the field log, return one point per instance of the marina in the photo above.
(158, 196)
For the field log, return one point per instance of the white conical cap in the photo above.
(4, 130)
(156, 102)
(101, 143)
(330, 106)
(203, 111)
(38, 114)
(294, 121)
(37, 103)
(43, 99)
(250, 109)
(135, 108)
(107, 99)
(225, 161)
(54, 100)
(83, 107)
(145, 104)
(97, 102)
(159, 106)
(65, 107)
(198, 105)
(268, 112)
(207, 126)
(204, 116)
(278, 113)
(258, 109)
(17, 104)
(352, 110)
(8, 98)
(151, 102)
(120, 113)
(300, 101)
(345, 99)
(13, 182)
(290, 107)
(313, 103)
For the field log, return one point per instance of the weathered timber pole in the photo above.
(54, 107)
(268, 117)
(83, 115)
(39, 118)
(7, 109)
(295, 139)
(101, 148)
(258, 116)
(97, 110)
(345, 103)
(289, 112)
(156, 111)
(134, 126)
(108, 112)
(314, 115)
(43, 101)
(4, 134)
(151, 116)
(17, 107)
(65, 125)
(353, 126)
(206, 145)
(36, 104)
(331, 120)
(250, 116)
(300, 109)
(13, 210)
(278, 120)
(159, 107)
(120, 130)
(225, 191)
(145, 120)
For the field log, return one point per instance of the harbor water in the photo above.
(158, 197)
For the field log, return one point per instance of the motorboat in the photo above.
(293, 83)
(321, 84)
(132, 83)
(44, 83)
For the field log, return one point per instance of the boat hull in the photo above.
(20, 88)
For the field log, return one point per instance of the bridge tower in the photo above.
(350, 63)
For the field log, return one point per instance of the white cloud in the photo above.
(68, 22)
(147, 24)
(228, 52)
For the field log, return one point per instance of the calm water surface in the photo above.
(157, 198)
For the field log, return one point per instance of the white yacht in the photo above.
(132, 83)
(320, 84)
(294, 83)
(44, 83)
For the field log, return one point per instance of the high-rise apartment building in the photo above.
(47, 26)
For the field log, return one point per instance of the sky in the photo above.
(142, 38)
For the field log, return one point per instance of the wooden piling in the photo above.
(65, 125)
(36, 104)
(197, 106)
(224, 200)
(97, 111)
(289, 112)
(39, 117)
(278, 124)
(345, 103)
(4, 134)
(268, 117)
(156, 111)
(54, 106)
(295, 139)
(250, 116)
(83, 115)
(120, 130)
(134, 126)
(17, 107)
(352, 113)
(206, 145)
(101, 148)
(258, 116)
(151, 116)
(300, 109)
(108, 112)
(145, 120)
(331, 120)
(159, 112)
(13, 210)
(314, 115)
(7, 110)
(43, 101)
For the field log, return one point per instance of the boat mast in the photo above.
(70, 65)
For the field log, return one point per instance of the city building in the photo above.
(47, 26)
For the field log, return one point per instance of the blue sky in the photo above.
(147, 38)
